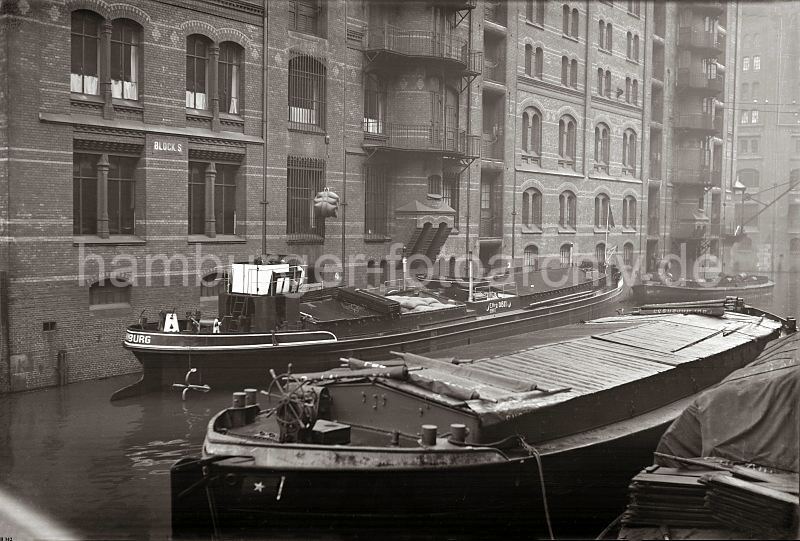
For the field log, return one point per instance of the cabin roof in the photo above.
(588, 358)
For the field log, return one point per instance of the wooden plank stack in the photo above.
(737, 498)
(765, 507)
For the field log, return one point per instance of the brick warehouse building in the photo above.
(518, 129)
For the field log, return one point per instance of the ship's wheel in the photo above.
(297, 407)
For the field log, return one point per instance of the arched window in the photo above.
(629, 152)
(306, 93)
(564, 71)
(575, 22)
(600, 78)
(602, 206)
(85, 43)
(627, 89)
(126, 37)
(629, 212)
(372, 274)
(565, 19)
(197, 48)
(629, 45)
(601, 34)
(110, 293)
(608, 83)
(635, 97)
(567, 140)
(567, 206)
(538, 66)
(627, 254)
(600, 253)
(636, 48)
(532, 131)
(566, 255)
(573, 73)
(609, 37)
(602, 147)
(535, 11)
(212, 284)
(528, 59)
(532, 207)
(531, 258)
(229, 76)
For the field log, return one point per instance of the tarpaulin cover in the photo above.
(750, 417)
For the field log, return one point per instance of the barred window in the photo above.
(110, 292)
(85, 43)
(304, 179)
(538, 62)
(306, 93)
(531, 258)
(376, 201)
(230, 72)
(197, 47)
(528, 59)
(450, 192)
(121, 195)
(304, 16)
(84, 194)
(197, 198)
(566, 255)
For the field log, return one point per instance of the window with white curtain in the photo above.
(229, 76)
(197, 47)
(126, 38)
(85, 44)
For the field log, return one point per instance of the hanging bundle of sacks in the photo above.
(326, 203)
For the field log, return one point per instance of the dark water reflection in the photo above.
(100, 469)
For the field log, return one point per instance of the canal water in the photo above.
(101, 469)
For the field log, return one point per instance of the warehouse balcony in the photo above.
(697, 80)
(693, 166)
(695, 37)
(388, 44)
(432, 137)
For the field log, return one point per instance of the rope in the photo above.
(535, 453)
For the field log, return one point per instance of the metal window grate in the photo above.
(304, 179)
(376, 201)
(113, 291)
(306, 93)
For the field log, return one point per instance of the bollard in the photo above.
(458, 432)
(429, 435)
(238, 400)
(251, 397)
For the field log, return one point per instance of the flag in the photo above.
(612, 250)
(610, 218)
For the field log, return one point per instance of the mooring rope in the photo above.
(533, 451)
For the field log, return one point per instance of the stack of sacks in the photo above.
(418, 304)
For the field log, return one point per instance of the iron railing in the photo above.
(693, 166)
(695, 121)
(421, 43)
(489, 228)
(697, 38)
(495, 12)
(432, 137)
(690, 78)
(494, 69)
(492, 147)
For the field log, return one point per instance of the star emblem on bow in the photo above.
(258, 487)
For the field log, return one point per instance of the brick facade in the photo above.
(452, 89)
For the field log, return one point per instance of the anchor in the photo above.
(190, 386)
